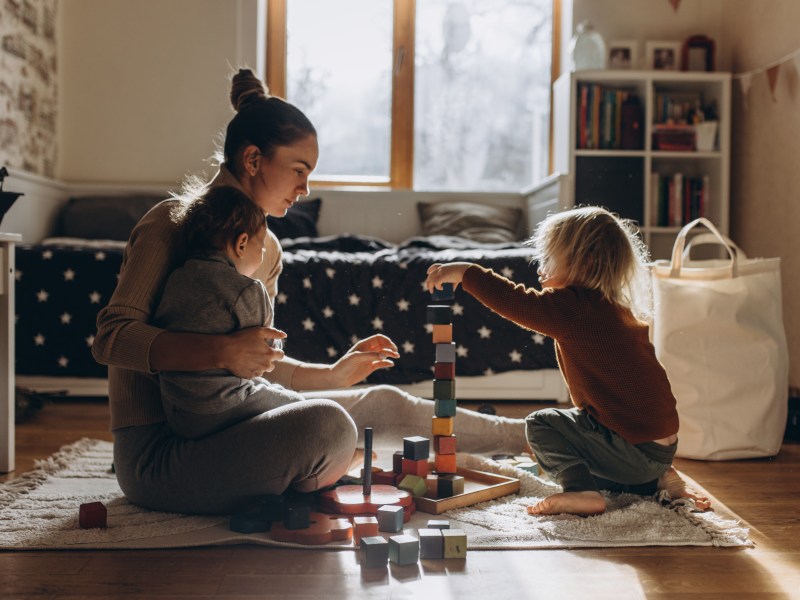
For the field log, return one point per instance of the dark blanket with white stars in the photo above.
(333, 291)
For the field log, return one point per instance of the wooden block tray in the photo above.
(479, 486)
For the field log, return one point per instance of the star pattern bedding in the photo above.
(333, 291)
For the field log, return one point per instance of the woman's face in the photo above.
(282, 179)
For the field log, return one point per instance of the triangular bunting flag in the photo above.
(675, 4)
(745, 81)
(772, 78)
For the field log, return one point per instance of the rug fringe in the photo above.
(722, 531)
(31, 480)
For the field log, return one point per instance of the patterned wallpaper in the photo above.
(28, 85)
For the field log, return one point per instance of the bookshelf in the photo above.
(654, 173)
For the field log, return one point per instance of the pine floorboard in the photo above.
(763, 493)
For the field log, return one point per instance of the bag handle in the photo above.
(702, 239)
(680, 242)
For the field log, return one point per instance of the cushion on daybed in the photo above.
(473, 221)
(300, 220)
(103, 217)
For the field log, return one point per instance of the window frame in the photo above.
(401, 160)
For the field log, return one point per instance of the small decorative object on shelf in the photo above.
(587, 48)
(698, 54)
(622, 54)
(662, 55)
(7, 199)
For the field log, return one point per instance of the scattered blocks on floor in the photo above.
(413, 484)
(364, 527)
(454, 543)
(297, 517)
(249, 523)
(384, 478)
(431, 544)
(397, 461)
(390, 518)
(416, 447)
(530, 467)
(438, 524)
(92, 515)
(450, 485)
(403, 550)
(271, 507)
(374, 552)
(415, 467)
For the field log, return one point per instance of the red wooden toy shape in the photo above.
(323, 529)
(92, 514)
(350, 499)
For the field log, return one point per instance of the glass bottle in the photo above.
(587, 48)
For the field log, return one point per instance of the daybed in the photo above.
(335, 289)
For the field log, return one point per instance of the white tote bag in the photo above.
(718, 331)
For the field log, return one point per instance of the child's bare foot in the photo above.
(358, 460)
(675, 486)
(576, 503)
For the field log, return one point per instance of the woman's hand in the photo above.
(248, 353)
(363, 359)
(449, 273)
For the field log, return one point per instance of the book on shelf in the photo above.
(602, 120)
(678, 199)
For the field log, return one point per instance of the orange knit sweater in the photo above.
(603, 351)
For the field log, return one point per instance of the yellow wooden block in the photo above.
(442, 425)
(455, 543)
(442, 334)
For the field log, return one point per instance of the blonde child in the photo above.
(621, 434)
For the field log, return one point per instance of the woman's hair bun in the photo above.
(246, 88)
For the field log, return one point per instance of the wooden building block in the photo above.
(443, 334)
(364, 527)
(374, 552)
(271, 507)
(397, 461)
(92, 515)
(444, 408)
(530, 467)
(454, 543)
(416, 447)
(446, 293)
(445, 463)
(446, 352)
(384, 478)
(249, 523)
(439, 314)
(415, 467)
(444, 389)
(444, 370)
(438, 524)
(450, 485)
(444, 444)
(442, 426)
(431, 543)
(390, 518)
(413, 484)
(431, 485)
(297, 516)
(321, 530)
(403, 550)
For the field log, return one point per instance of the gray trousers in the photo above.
(306, 445)
(581, 454)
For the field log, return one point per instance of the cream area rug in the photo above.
(39, 510)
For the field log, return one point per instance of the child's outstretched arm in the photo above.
(447, 273)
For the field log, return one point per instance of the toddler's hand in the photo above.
(449, 273)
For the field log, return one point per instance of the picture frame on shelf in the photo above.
(663, 55)
(622, 54)
(697, 54)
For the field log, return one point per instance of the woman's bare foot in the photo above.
(576, 503)
(675, 486)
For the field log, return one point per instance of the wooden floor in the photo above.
(764, 493)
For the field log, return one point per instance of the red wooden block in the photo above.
(415, 467)
(432, 486)
(443, 370)
(364, 527)
(92, 515)
(444, 444)
(445, 463)
(385, 478)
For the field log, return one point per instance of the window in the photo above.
(434, 95)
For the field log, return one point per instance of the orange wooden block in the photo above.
(364, 527)
(415, 467)
(445, 463)
(444, 444)
(350, 499)
(442, 334)
(442, 426)
(432, 486)
(323, 529)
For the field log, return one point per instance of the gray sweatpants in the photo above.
(306, 445)
(581, 454)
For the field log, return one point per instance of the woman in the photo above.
(269, 152)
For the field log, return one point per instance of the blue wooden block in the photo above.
(446, 353)
(249, 523)
(431, 543)
(444, 408)
(271, 507)
(446, 293)
(297, 517)
(416, 447)
(439, 314)
(390, 518)
(374, 552)
(403, 550)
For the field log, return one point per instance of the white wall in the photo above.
(144, 85)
